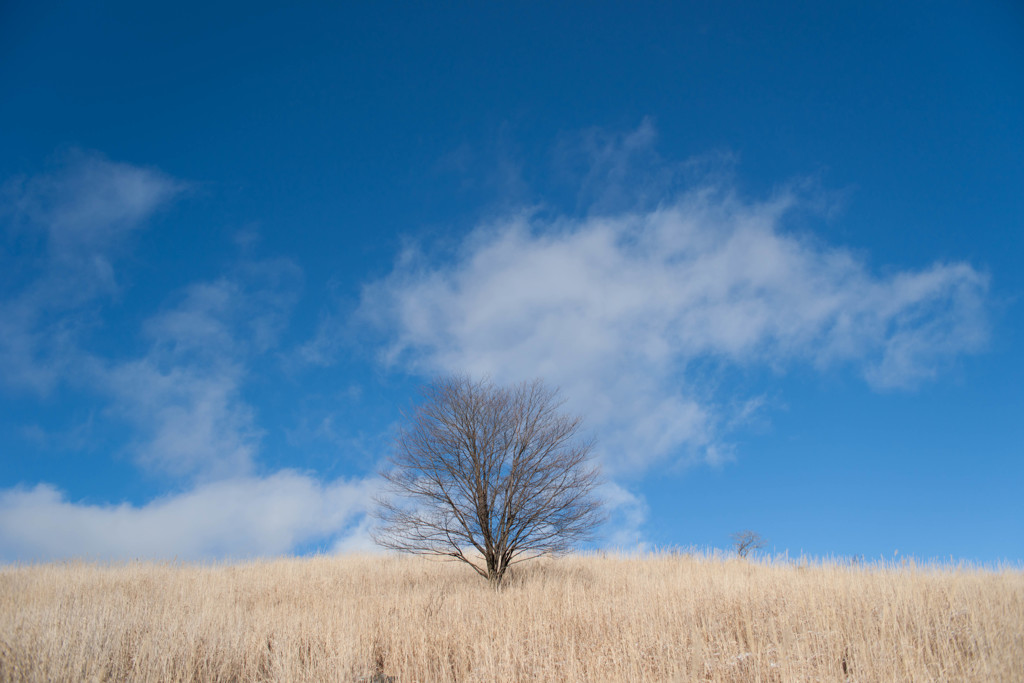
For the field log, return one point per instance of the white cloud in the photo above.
(190, 419)
(68, 226)
(185, 395)
(92, 201)
(80, 215)
(358, 539)
(231, 518)
(627, 513)
(617, 310)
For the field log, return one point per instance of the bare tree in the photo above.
(488, 475)
(745, 541)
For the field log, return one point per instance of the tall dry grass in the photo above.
(581, 618)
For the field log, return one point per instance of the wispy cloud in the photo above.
(89, 202)
(230, 518)
(627, 515)
(621, 308)
(66, 228)
(185, 395)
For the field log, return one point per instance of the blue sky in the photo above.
(770, 253)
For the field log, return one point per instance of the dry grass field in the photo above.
(668, 617)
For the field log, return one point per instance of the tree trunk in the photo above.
(495, 570)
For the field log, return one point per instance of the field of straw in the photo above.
(667, 617)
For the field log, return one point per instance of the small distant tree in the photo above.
(488, 475)
(745, 541)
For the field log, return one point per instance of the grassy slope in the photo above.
(581, 618)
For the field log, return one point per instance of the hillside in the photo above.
(579, 618)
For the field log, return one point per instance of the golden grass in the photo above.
(580, 618)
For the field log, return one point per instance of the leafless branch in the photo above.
(488, 475)
(745, 541)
